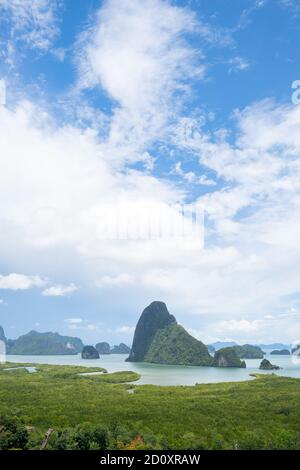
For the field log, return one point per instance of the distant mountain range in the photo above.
(49, 343)
(227, 344)
(275, 346)
(158, 339)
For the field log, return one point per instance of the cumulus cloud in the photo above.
(59, 290)
(15, 281)
(256, 209)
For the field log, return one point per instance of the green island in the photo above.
(109, 411)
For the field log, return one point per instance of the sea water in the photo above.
(158, 374)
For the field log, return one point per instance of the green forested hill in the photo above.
(44, 343)
(159, 339)
(174, 345)
(248, 351)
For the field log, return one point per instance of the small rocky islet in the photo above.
(266, 365)
(90, 352)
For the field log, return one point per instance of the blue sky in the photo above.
(157, 103)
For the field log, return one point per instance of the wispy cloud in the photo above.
(238, 64)
(137, 52)
(32, 21)
(246, 17)
(191, 177)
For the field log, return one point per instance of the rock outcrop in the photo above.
(103, 348)
(266, 365)
(120, 349)
(227, 357)
(89, 352)
(159, 339)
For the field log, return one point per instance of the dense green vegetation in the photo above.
(174, 345)
(118, 377)
(86, 412)
(227, 357)
(247, 351)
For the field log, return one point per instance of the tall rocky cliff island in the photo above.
(159, 339)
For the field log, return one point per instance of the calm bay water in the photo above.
(169, 375)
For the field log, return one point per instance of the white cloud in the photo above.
(256, 210)
(191, 177)
(246, 16)
(237, 64)
(120, 280)
(67, 180)
(15, 281)
(59, 53)
(237, 326)
(137, 53)
(59, 290)
(81, 326)
(2, 92)
(125, 329)
(33, 22)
